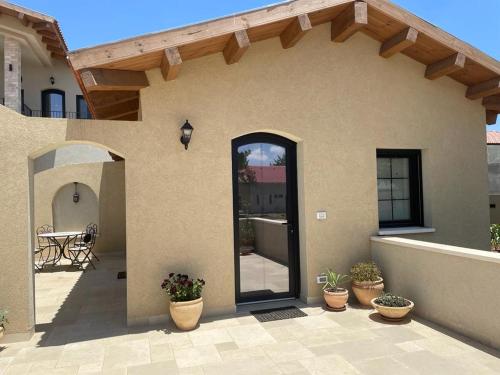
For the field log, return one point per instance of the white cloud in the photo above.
(258, 155)
(277, 150)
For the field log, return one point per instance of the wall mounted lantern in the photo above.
(76, 196)
(186, 131)
(52, 80)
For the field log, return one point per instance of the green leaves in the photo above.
(333, 280)
(3, 317)
(391, 300)
(365, 272)
(495, 236)
(182, 288)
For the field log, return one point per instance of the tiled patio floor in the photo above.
(88, 336)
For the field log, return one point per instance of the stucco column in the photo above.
(12, 73)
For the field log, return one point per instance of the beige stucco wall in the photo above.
(452, 286)
(495, 209)
(102, 201)
(340, 102)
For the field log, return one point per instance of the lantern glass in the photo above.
(186, 131)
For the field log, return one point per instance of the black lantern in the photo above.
(76, 196)
(186, 131)
(52, 80)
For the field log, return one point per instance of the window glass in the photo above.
(82, 110)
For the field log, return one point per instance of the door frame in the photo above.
(291, 210)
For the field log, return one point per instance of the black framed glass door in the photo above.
(265, 217)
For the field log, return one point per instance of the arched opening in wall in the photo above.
(78, 231)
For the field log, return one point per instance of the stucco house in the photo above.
(298, 80)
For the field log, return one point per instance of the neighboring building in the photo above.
(38, 80)
(493, 141)
(373, 146)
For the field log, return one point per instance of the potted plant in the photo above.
(186, 303)
(391, 307)
(3, 321)
(367, 282)
(335, 297)
(247, 236)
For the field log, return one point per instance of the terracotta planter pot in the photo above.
(336, 301)
(186, 314)
(365, 291)
(393, 314)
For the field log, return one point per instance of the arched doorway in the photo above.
(266, 238)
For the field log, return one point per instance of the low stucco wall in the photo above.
(106, 182)
(271, 239)
(452, 286)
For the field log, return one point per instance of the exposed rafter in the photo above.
(398, 42)
(492, 103)
(491, 117)
(486, 88)
(109, 80)
(352, 19)
(446, 66)
(105, 99)
(295, 31)
(236, 47)
(171, 63)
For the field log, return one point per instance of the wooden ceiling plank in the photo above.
(108, 99)
(236, 47)
(96, 79)
(24, 20)
(486, 88)
(43, 26)
(491, 117)
(171, 63)
(52, 41)
(58, 56)
(446, 66)
(121, 115)
(352, 19)
(398, 42)
(118, 109)
(295, 31)
(492, 103)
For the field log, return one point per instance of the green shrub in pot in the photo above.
(392, 307)
(367, 282)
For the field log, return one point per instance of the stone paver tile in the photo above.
(80, 354)
(197, 356)
(357, 335)
(159, 368)
(125, 354)
(425, 362)
(330, 364)
(443, 346)
(70, 370)
(30, 355)
(242, 354)
(176, 340)
(198, 370)
(250, 335)
(4, 363)
(247, 319)
(286, 351)
(161, 353)
(316, 321)
(383, 366)
(90, 368)
(409, 346)
(17, 369)
(292, 367)
(224, 346)
(397, 334)
(261, 366)
(211, 336)
(358, 350)
(220, 322)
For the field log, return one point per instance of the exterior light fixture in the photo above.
(76, 196)
(52, 80)
(186, 131)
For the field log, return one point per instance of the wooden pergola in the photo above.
(111, 75)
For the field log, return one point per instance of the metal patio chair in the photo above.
(46, 251)
(83, 244)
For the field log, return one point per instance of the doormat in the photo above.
(279, 313)
(122, 275)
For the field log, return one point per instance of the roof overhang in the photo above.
(397, 29)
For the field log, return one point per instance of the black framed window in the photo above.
(399, 186)
(53, 103)
(82, 110)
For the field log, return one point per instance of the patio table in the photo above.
(60, 240)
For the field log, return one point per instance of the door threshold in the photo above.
(266, 301)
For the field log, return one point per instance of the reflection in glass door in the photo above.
(265, 205)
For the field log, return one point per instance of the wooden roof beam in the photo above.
(446, 66)
(492, 103)
(491, 117)
(171, 63)
(118, 109)
(39, 26)
(295, 31)
(236, 47)
(398, 42)
(352, 19)
(486, 88)
(104, 100)
(24, 20)
(118, 116)
(95, 79)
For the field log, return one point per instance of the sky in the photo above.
(476, 22)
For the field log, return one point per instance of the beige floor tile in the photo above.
(243, 354)
(286, 351)
(197, 356)
(397, 334)
(383, 366)
(292, 367)
(425, 362)
(358, 350)
(211, 336)
(78, 354)
(330, 364)
(161, 353)
(159, 368)
(443, 346)
(250, 335)
(260, 365)
(316, 322)
(409, 346)
(225, 346)
(17, 369)
(71, 370)
(129, 353)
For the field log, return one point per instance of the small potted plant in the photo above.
(3, 321)
(186, 303)
(335, 297)
(392, 308)
(367, 282)
(247, 236)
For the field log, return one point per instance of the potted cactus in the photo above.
(3, 321)
(367, 282)
(335, 296)
(186, 303)
(391, 307)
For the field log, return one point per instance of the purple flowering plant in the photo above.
(181, 288)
